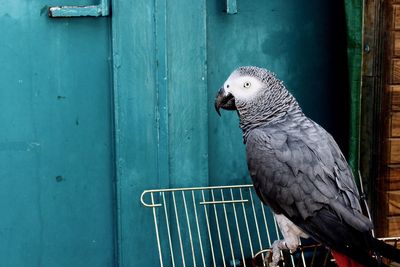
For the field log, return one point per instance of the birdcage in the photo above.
(223, 226)
(220, 226)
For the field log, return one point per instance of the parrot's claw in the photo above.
(273, 256)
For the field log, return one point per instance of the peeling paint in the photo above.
(74, 11)
(80, 11)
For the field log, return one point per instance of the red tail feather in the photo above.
(344, 261)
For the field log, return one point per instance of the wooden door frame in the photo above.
(374, 108)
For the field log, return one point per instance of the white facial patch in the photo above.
(242, 87)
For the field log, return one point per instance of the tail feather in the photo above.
(351, 257)
(344, 261)
(385, 250)
(363, 257)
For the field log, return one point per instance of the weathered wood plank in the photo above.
(395, 71)
(381, 220)
(396, 17)
(394, 91)
(394, 150)
(135, 99)
(387, 217)
(394, 126)
(393, 226)
(393, 177)
(396, 43)
(394, 202)
(187, 58)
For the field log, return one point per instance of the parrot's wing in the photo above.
(300, 171)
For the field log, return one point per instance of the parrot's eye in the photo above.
(227, 86)
(247, 85)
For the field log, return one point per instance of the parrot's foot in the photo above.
(268, 260)
(291, 238)
(277, 247)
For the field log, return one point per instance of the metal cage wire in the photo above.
(219, 226)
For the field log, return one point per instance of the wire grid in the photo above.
(219, 226)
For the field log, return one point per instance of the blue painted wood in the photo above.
(163, 86)
(56, 164)
(136, 118)
(161, 111)
(188, 109)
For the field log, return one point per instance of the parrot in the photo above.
(299, 171)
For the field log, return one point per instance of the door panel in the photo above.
(160, 109)
(56, 142)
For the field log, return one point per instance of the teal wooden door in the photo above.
(56, 145)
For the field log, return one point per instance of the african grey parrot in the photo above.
(298, 170)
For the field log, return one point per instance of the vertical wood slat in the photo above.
(395, 44)
(394, 150)
(395, 63)
(396, 17)
(393, 177)
(187, 114)
(162, 107)
(388, 196)
(187, 82)
(155, 68)
(394, 125)
(395, 71)
(393, 198)
(135, 122)
(394, 95)
(393, 226)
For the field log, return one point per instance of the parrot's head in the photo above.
(258, 96)
(246, 87)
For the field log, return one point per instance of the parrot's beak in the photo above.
(224, 100)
